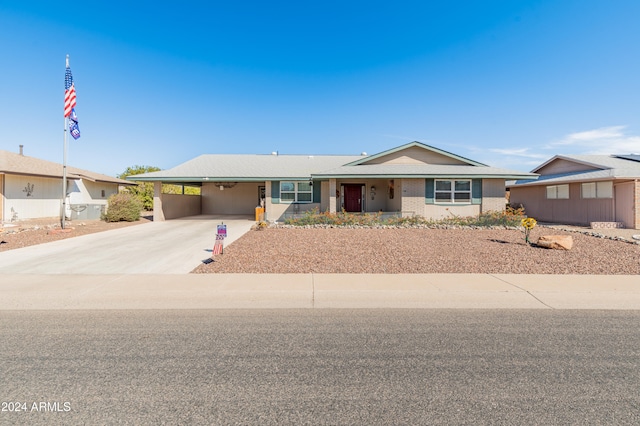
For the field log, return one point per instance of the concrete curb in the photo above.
(306, 291)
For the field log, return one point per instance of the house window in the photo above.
(558, 192)
(296, 192)
(453, 191)
(597, 190)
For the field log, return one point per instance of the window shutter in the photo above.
(429, 197)
(476, 191)
(317, 191)
(275, 191)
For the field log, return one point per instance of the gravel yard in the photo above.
(336, 250)
(380, 251)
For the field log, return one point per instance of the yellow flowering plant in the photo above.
(528, 224)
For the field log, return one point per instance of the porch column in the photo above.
(268, 205)
(158, 213)
(332, 196)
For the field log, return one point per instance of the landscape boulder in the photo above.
(558, 242)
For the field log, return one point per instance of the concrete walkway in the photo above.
(170, 247)
(295, 291)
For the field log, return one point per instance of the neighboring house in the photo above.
(412, 179)
(31, 188)
(581, 189)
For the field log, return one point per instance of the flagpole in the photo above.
(64, 176)
(63, 214)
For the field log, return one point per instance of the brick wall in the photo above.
(493, 195)
(413, 192)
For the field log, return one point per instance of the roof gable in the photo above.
(584, 168)
(415, 153)
(561, 164)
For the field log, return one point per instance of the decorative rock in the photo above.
(558, 242)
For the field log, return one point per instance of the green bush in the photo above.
(123, 207)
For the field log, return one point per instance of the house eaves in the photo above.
(581, 176)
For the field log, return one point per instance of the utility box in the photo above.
(87, 211)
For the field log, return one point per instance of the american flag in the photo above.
(217, 248)
(69, 92)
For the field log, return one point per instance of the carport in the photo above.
(216, 198)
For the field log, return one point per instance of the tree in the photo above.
(144, 190)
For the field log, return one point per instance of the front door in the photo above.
(353, 198)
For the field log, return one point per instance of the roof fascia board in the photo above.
(555, 181)
(426, 176)
(214, 179)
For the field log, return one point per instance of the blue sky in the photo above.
(509, 83)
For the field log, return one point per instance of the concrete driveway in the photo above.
(171, 247)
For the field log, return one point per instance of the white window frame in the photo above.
(557, 192)
(297, 192)
(452, 191)
(601, 189)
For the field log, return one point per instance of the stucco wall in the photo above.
(178, 205)
(395, 204)
(45, 198)
(241, 199)
(324, 196)
(93, 190)
(574, 210)
(415, 155)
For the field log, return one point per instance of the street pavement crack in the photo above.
(523, 289)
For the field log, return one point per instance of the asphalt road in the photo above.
(320, 367)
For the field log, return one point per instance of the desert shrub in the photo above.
(509, 217)
(122, 207)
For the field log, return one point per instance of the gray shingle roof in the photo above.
(12, 163)
(247, 167)
(256, 167)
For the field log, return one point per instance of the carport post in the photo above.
(158, 213)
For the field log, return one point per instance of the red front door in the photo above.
(353, 198)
